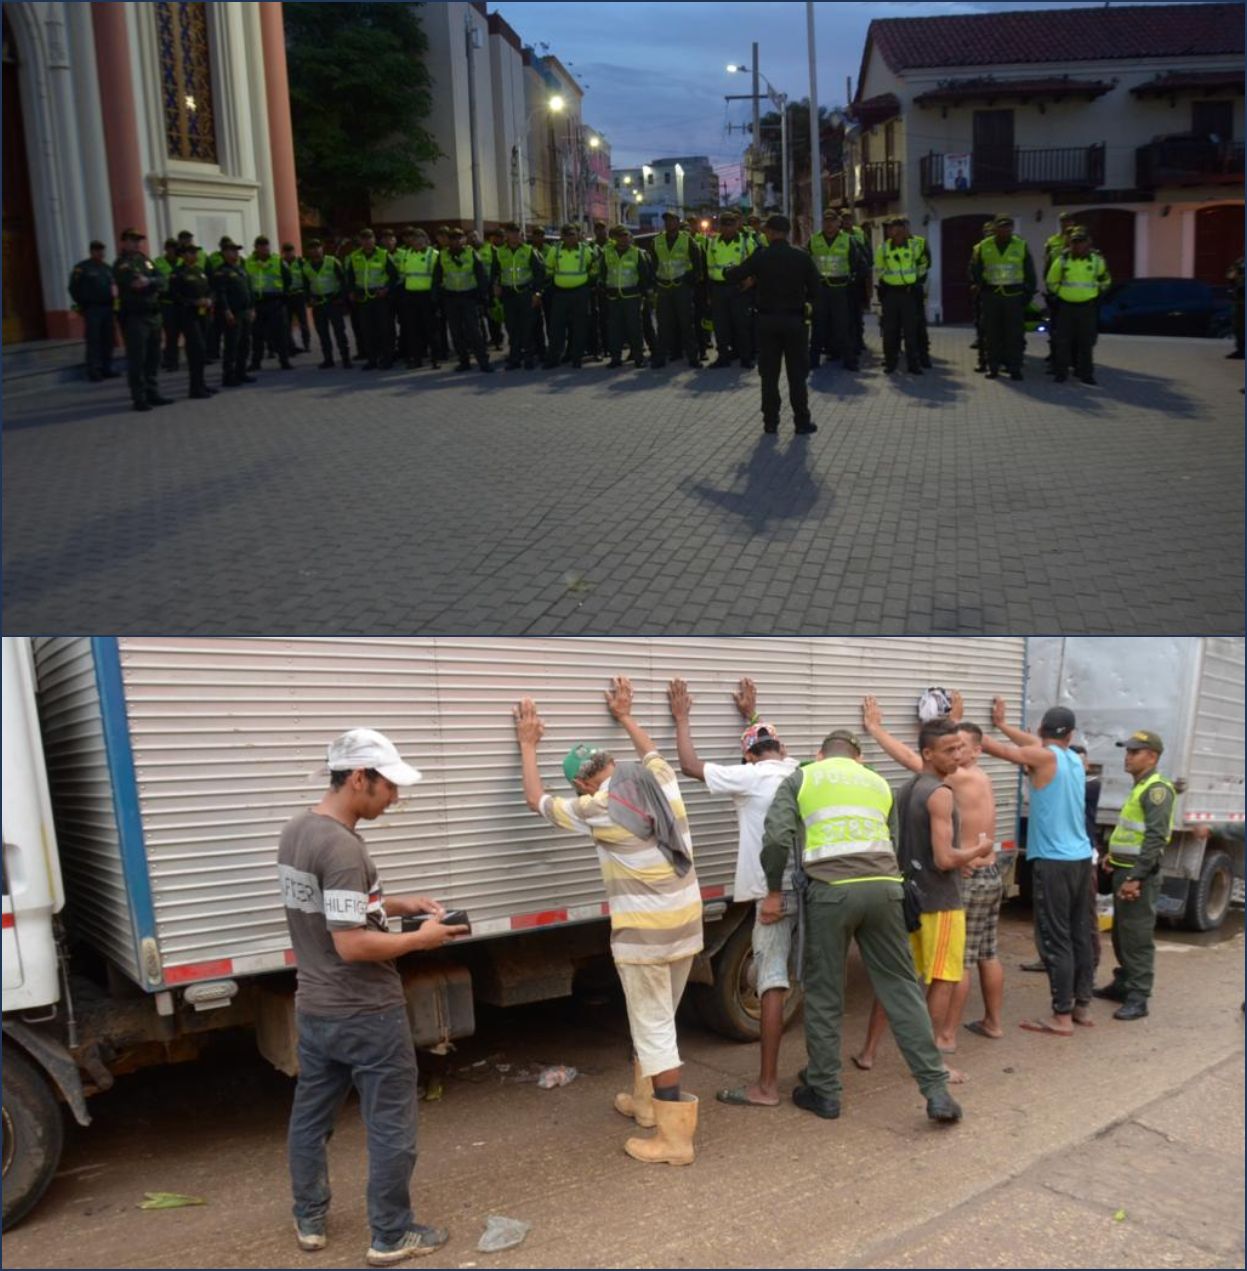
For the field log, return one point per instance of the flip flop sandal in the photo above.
(976, 1027)
(1042, 1026)
(738, 1099)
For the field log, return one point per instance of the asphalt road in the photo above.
(624, 502)
(1120, 1147)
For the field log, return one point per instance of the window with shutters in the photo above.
(666, 178)
(186, 81)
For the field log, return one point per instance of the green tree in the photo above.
(359, 93)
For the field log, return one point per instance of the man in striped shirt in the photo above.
(635, 815)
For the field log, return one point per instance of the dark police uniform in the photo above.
(190, 294)
(518, 311)
(91, 288)
(296, 303)
(786, 280)
(235, 312)
(460, 282)
(619, 295)
(140, 324)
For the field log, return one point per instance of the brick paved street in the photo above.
(637, 502)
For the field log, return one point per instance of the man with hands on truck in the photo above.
(350, 1009)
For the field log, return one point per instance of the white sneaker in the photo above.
(309, 1241)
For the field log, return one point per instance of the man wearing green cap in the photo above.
(1135, 848)
(140, 287)
(635, 815)
(835, 821)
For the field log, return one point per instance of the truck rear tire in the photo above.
(1209, 898)
(730, 1006)
(34, 1134)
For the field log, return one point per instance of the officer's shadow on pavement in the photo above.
(778, 487)
(941, 385)
(1147, 392)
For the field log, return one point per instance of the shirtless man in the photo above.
(932, 848)
(982, 887)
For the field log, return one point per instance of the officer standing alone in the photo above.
(785, 281)
(92, 290)
(140, 288)
(1135, 849)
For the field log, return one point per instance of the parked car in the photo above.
(1167, 306)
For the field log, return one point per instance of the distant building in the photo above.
(1131, 116)
(685, 185)
(160, 117)
(535, 162)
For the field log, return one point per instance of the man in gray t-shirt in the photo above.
(349, 1005)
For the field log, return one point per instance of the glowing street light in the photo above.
(594, 142)
(556, 103)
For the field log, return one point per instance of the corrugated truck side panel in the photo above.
(1216, 756)
(226, 732)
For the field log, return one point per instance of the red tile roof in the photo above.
(988, 88)
(1176, 80)
(1058, 35)
(876, 110)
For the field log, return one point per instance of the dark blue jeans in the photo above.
(375, 1054)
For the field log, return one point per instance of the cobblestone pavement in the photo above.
(637, 502)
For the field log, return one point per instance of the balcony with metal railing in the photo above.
(1188, 161)
(1000, 171)
(876, 183)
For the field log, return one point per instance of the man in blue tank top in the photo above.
(1060, 858)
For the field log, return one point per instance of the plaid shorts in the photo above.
(983, 892)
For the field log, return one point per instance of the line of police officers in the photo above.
(561, 302)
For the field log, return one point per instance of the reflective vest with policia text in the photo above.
(571, 268)
(673, 262)
(515, 267)
(721, 255)
(265, 275)
(623, 269)
(899, 266)
(369, 272)
(844, 808)
(1126, 842)
(416, 268)
(1079, 279)
(1003, 269)
(832, 259)
(325, 281)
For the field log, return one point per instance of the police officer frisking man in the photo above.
(350, 1007)
(784, 281)
(93, 291)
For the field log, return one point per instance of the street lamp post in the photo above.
(780, 101)
(554, 105)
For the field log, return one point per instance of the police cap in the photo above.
(568, 228)
(189, 246)
(672, 216)
(185, 236)
(779, 223)
(408, 230)
(1079, 234)
(1002, 222)
(313, 243)
(171, 242)
(227, 244)
(366, 233)
(261, 241)
(96, 245)
(455, 232)
(511, 228)
(287, 247)
(132, 235)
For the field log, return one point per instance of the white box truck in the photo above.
(1190, 691)
(156, 775)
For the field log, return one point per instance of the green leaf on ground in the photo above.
(168, 1200)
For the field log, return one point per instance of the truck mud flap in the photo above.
(1171, 903)
(56, 1061)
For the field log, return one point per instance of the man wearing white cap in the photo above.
(349, 1005)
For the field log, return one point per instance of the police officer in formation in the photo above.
(461, 281)
(1004, 272)
(93, 292)
(235, 314)
(270, 285)
(296, 300)
(569, 266)
(421, 318)
(842, 263)
(1077, 277)
(625, 274)
(677, 265)
(900, 270)
(324, 277)
(371, 277)
(140, 290)
(518, 278)
(165, 265)
(190, 297)
(976, 294)
(729, 305)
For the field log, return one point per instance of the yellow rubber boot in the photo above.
(639, 1105)
(673, 1144)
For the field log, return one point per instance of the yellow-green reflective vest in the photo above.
(845, 810)
(571, 268)
(369, 272)
(325, 279)
(897, 266)
(1126, 840)
(623, 271)
(265, 276)
(1077, 280)
(1003, 268)
(515, 268)
(459, 275)
(166, 268)
(721, 255)
(417, 269)
(832, 258)
(485, 254)
(1053, 246)
(547, 255)
(673, 262)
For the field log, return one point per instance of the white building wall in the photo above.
(506, 75)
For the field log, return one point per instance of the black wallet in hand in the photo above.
(453, 918)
